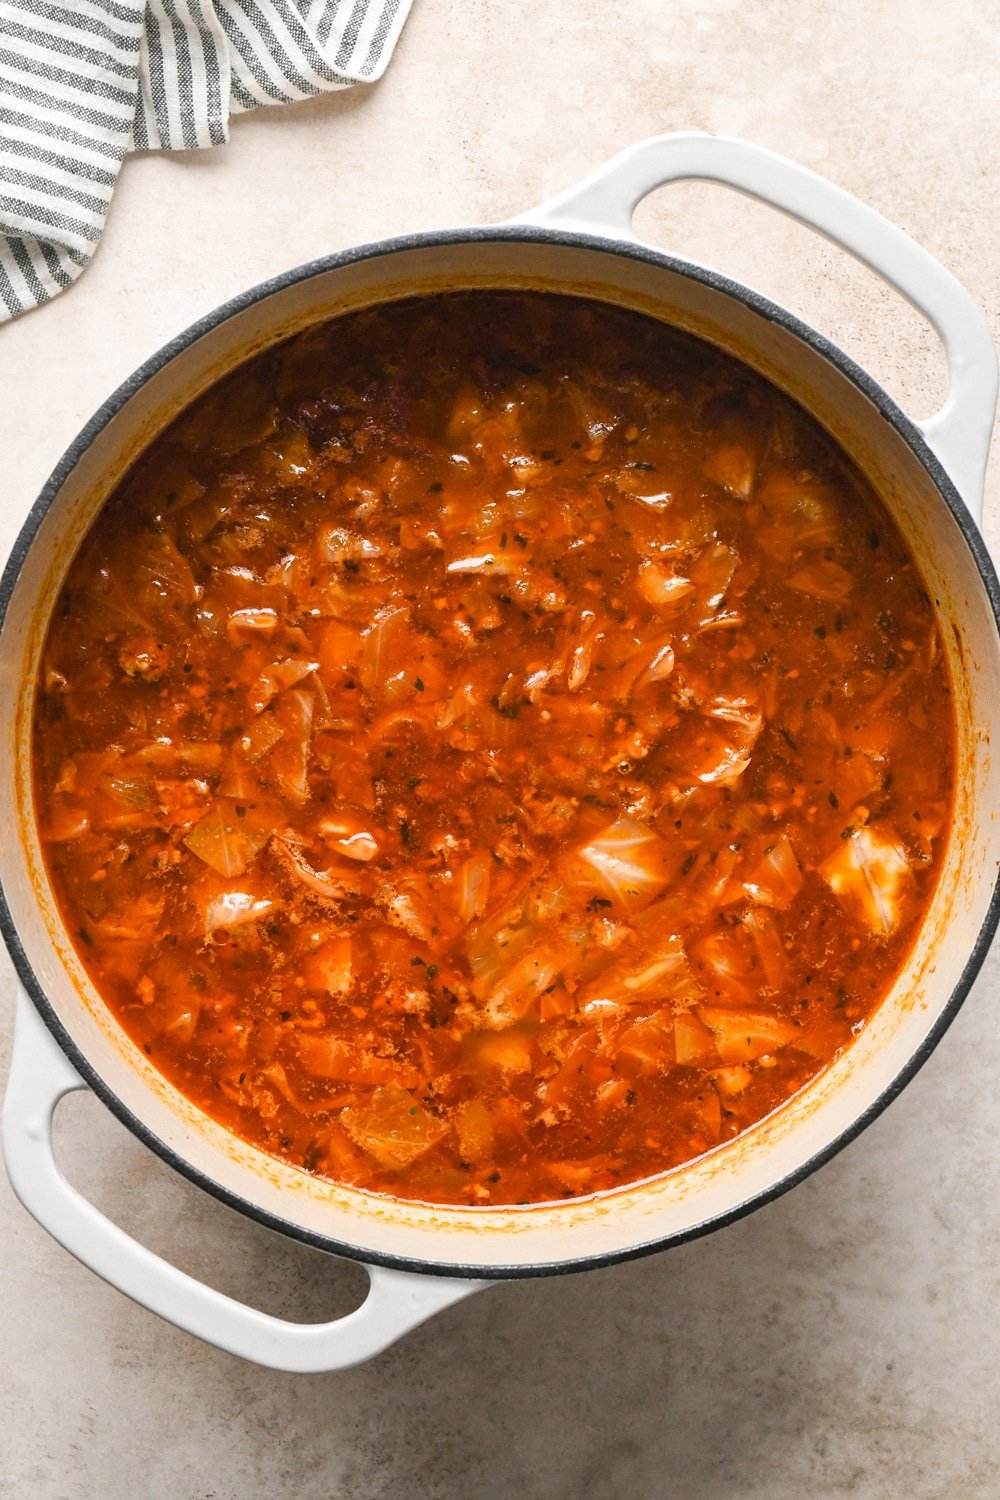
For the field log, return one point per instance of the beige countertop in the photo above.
(842, 1341)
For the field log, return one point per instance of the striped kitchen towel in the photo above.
(82, 82)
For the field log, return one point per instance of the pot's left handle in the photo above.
(40, 1076)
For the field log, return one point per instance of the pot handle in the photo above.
(40, 1076)
(604, 203)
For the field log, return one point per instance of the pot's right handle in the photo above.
(397, 1301)
(959, 434)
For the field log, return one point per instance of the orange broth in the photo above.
(493, 748)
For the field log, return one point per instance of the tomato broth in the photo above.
(493, 748)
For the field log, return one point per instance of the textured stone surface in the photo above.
(840, 1342)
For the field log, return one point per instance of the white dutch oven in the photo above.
(930, 475)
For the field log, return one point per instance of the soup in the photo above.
(493, 748)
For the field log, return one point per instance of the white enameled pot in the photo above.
(421, 1258)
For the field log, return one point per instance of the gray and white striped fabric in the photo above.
(82, 82)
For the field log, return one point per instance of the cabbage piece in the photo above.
(499, 563)
(357, 846)
(628, 861)
(823, 580)
(262, 736)
(653, 661)
(410, 906)
(495, 944)
(636, 484)
(289, 456)
(743, 1035)
(712, 574)
(475, 1132)
(658, 585)
(323, 883)
(162, 579)
(275, 678)
(329, 967)
(472, 887)
(517, 953)
(510, 933)
(660, 666)
(174, 755)
(290, 759)
(275, 1075)
(323, 1054)
(729, 765)
(125, 801)
(709, 1111)
(802, 514)
(581, 657)
(733, 1080)
(647, 1045)
(392, 1127)
(503, 1052)
(733, 465)
(230, 837)
(870, 871)
(693, 1042)
(336, 545)
(248, 623)
(581, 1069)
(339, 648)
(139, 921)
(522, 985)
(776, 880)
(388, 653)
(763, 929)
(349, 835)
(659, 970)
(231, 909)
(731, 757)
(728, 957)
